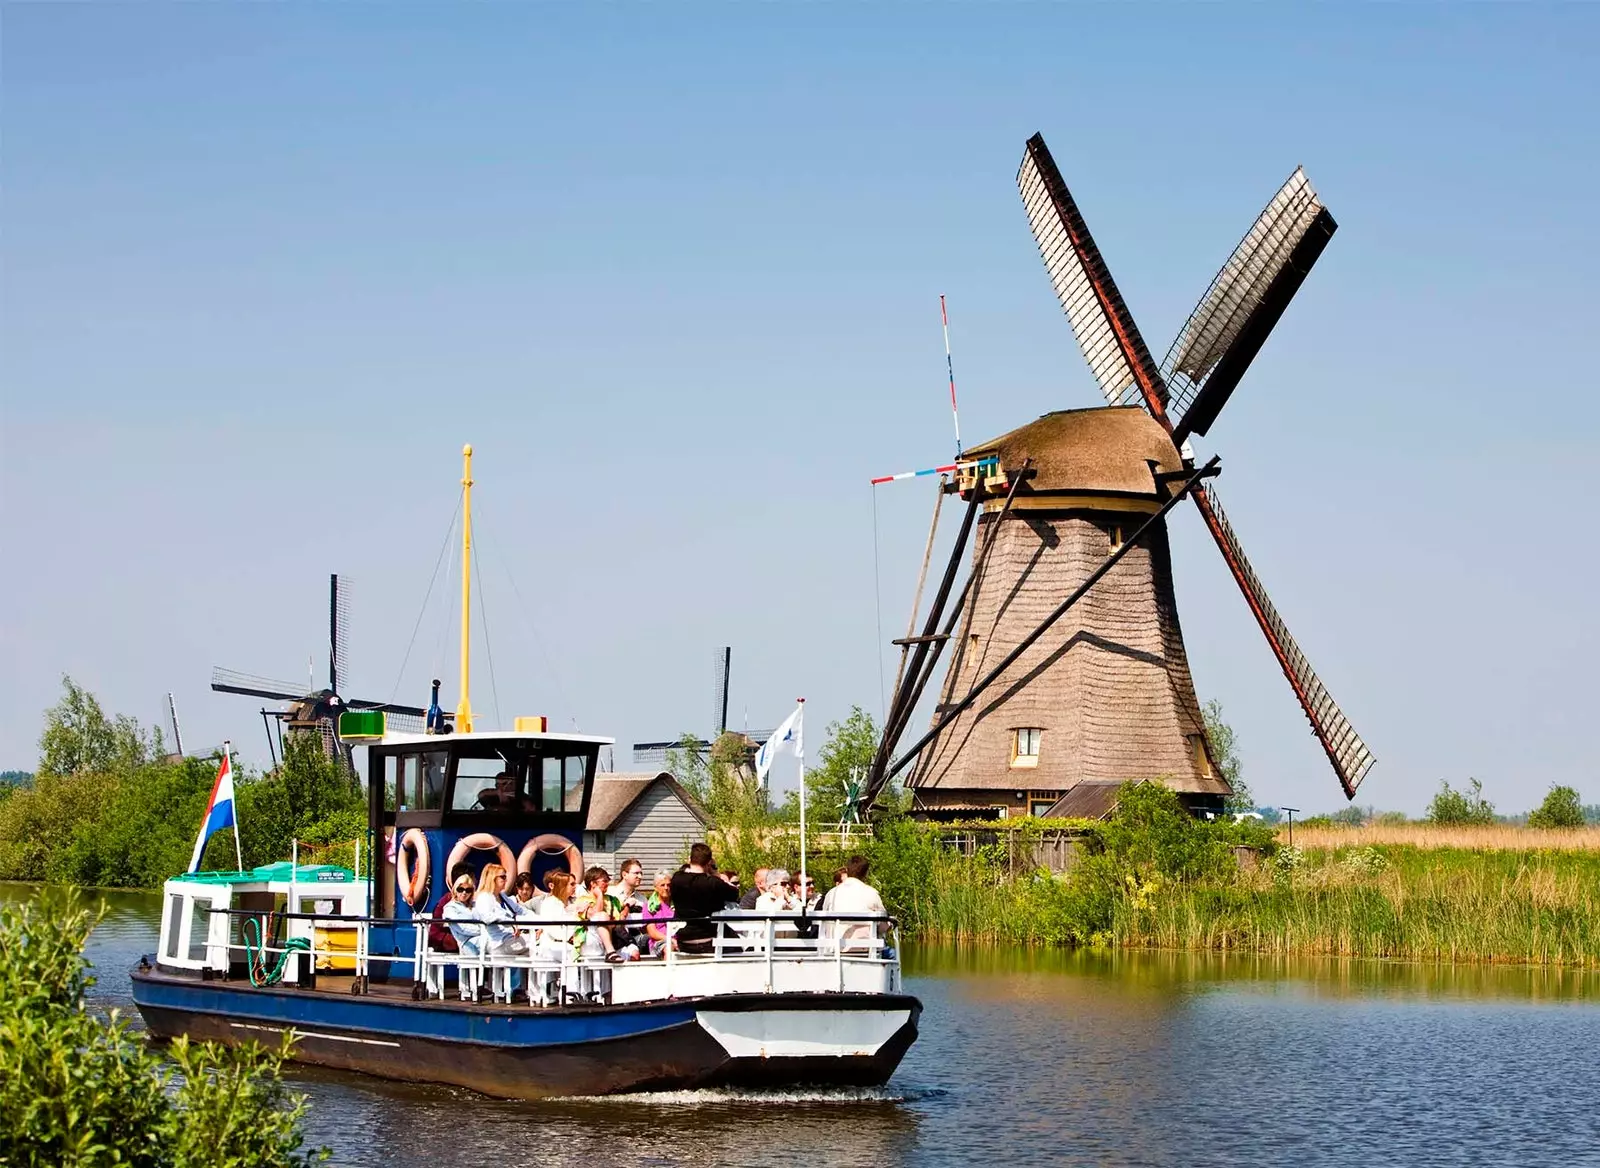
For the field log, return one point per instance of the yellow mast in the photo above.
(464, 705)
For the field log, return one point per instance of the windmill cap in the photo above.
(1106, 452)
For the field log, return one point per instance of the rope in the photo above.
(877, 597)
(256, 955)
(423, 611)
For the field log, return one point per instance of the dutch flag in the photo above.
(219, 812)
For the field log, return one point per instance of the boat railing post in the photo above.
(838, 954)
(771, 932)
(672, 961)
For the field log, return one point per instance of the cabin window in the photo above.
(174, 920)
(551, 783)
(475, 776)
(1025, 746)
(199, 928)
(575, 770)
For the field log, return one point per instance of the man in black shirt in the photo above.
(696, 894)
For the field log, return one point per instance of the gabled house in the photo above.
(646, 816)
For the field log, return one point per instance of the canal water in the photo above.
(1053, 1058)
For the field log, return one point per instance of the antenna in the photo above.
(944, 318)
(177, 735)
(720, 694)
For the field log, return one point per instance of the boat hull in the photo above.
(516, 1052)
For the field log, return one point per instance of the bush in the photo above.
(78, 1089)
(1560, 808)
(1453, 808)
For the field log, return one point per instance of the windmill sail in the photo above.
(1116, 352)
(1349, 755)
(1243, 303)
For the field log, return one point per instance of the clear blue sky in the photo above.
(674, 271)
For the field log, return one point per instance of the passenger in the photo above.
(467, 936)
(854, 895)
(658, 908)
(595, 903)
(778, 898)
(555, 941)
(827, 898)
(808, 895)
(697, 893)
(440, 938)
(748, 900)
(526, 897)
(631, 900)
(493, 907)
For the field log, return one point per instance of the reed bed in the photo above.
(1489, 837)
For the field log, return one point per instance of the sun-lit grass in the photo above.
(1491, 837)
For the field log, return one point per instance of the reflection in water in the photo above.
(1045, 1057)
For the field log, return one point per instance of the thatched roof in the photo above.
(1108, 685)
(1104, 450)
(614, 793)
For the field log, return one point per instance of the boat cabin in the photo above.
(436, 801)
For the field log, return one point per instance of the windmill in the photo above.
(310, 710)
(1069, 667)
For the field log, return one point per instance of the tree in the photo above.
(80, 1088)
(1560, 808)
(1455, 808)
(1225, 754)
(844, 758)
(79, 739)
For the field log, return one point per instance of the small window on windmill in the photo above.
(1025, 746)
(1115, 532)
(1202, 761)
(972, 644)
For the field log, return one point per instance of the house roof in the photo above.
(614, 793)
(1090, 799)
(1107, 449)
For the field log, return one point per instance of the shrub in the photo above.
(79, 1089)
(1453, 807)
(1560, 808)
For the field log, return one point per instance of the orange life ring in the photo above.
(477, 841)
(412, 883)
(551, 844)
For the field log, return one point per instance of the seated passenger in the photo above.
(493, 908)
(526, 897)
(467, 935)
(595, 903)
(777, 897)
(557, 906)
(658, 911)
(854, 895)
(440, 939)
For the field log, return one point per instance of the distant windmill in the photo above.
(316, 712)
(1068, 668)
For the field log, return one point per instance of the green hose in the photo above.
(256, 956)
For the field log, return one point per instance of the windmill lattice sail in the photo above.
(1349, 755)
(1244, 301)
(1111, 342)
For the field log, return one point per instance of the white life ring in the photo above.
(478, 841)
(412, 883)
(551, 844)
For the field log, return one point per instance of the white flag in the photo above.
(785, 737)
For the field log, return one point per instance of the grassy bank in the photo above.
(1156, 879)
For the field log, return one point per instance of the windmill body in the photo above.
(1105, 695)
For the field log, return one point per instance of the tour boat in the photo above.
(341, 961)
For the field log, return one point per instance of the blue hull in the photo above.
(524, 1053)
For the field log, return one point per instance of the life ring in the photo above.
(412, 883)
(478, 841)
(551, 844)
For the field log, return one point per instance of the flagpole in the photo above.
(227, 757)
(800, 753)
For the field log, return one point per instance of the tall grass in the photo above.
(1488, 837)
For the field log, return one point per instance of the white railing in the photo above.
(748, 953)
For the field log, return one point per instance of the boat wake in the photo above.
(787, 1096)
